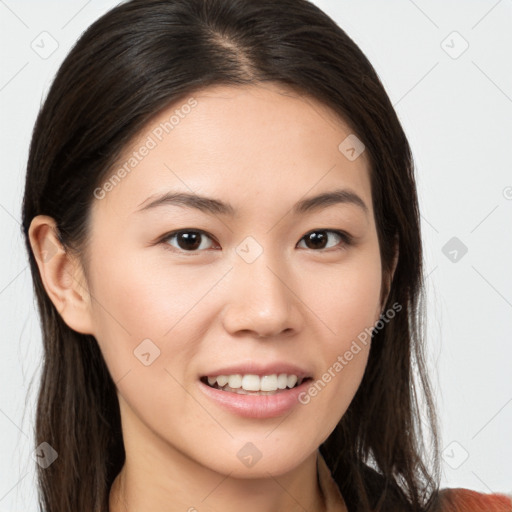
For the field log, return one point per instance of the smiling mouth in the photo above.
(239, 389)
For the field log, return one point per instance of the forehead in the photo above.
(252, 144)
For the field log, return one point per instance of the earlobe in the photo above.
(61, 275)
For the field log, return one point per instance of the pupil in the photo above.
(193, 239)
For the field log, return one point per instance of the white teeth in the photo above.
(268, 383)
(235, 381)
(222, 380)
(292, 380)
(282, 380)
(252, 382)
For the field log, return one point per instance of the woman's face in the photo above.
(258, 282)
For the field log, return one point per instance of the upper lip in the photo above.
(253, 368)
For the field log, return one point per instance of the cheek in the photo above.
(145, 329)
(136, 297)
(345, 296)
(145, 306)
(348, 306)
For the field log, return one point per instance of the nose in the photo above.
(261, 300)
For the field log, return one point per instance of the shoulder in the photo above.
(447, 499)
(389, 497)
(466, 500)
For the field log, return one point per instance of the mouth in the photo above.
(251, 384)
(264, 396)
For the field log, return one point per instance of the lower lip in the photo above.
(256, 406)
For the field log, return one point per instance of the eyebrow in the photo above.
(218, 207)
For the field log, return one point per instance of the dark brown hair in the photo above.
(129, 65)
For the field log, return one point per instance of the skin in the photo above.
(296, 302)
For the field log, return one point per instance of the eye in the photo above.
(192, 240)
(188, 240)
(317, 239)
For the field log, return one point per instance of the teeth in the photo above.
(235, 381)
(254, 382)
(222, 380)
(269, 382)
(249, 383)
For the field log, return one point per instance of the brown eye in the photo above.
(187, 240)
(319, 238)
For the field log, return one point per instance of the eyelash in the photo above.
(347, 239)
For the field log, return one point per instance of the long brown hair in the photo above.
(126, 67)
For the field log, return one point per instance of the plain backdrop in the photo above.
(447, 67)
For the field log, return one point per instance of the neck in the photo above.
(137, 489)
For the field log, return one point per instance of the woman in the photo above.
(220, 202)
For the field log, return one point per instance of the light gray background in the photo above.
(456, 109)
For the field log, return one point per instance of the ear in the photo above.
(388, 279)
(61, 274)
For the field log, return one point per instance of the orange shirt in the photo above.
(465, 500)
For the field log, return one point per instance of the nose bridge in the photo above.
(261, 297)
